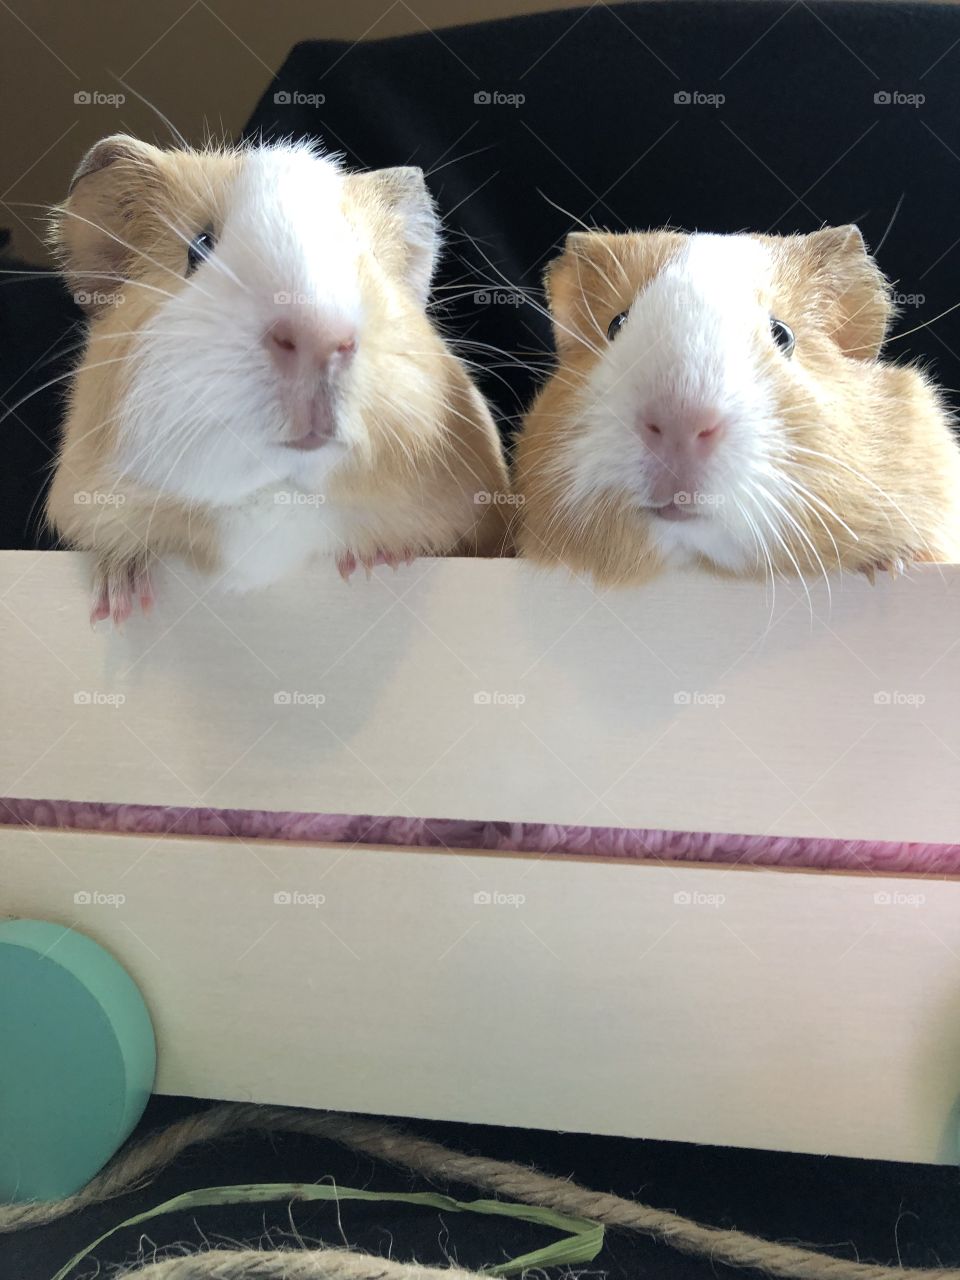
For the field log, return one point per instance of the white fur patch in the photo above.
(204, 418)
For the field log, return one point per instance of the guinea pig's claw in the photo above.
(100, 608)
(347, 563)
(894, 567)
(115, 593)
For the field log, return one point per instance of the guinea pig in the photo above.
(261, 382)
(719, 400)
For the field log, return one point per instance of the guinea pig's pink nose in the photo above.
(691, 434)
(301, 345)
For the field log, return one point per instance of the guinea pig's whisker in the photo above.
(762, 549)
(63, 377)
(457, 160)
(586, 304)
(71, 213)
(808, 506)
(860, 476)
(537, 307)
(152, 106)
(607, 281)
(795, 484)
(768, 520)
(583, 225)
(916, 329)
(759, 546)
(813, 554)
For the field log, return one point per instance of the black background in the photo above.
(798, 143)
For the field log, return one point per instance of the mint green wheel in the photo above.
(77, 1059)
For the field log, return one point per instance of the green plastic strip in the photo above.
(582, 1243)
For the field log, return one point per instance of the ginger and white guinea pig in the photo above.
(719, 400)
(261, 382)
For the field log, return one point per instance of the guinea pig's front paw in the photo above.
(348, 563)
(116, 588)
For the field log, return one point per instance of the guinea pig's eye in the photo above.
(616, 324)
(199, 248)
(782, 335)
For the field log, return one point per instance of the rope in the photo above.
(132, 1167)
(291, 1264)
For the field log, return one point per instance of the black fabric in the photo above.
(870, 1210)
(800, 141)
(39, 329)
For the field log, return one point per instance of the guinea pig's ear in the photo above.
(861, 293)
(403, 193)
(93, 231)
(563, 283)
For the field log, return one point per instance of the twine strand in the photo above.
(133, 1166)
